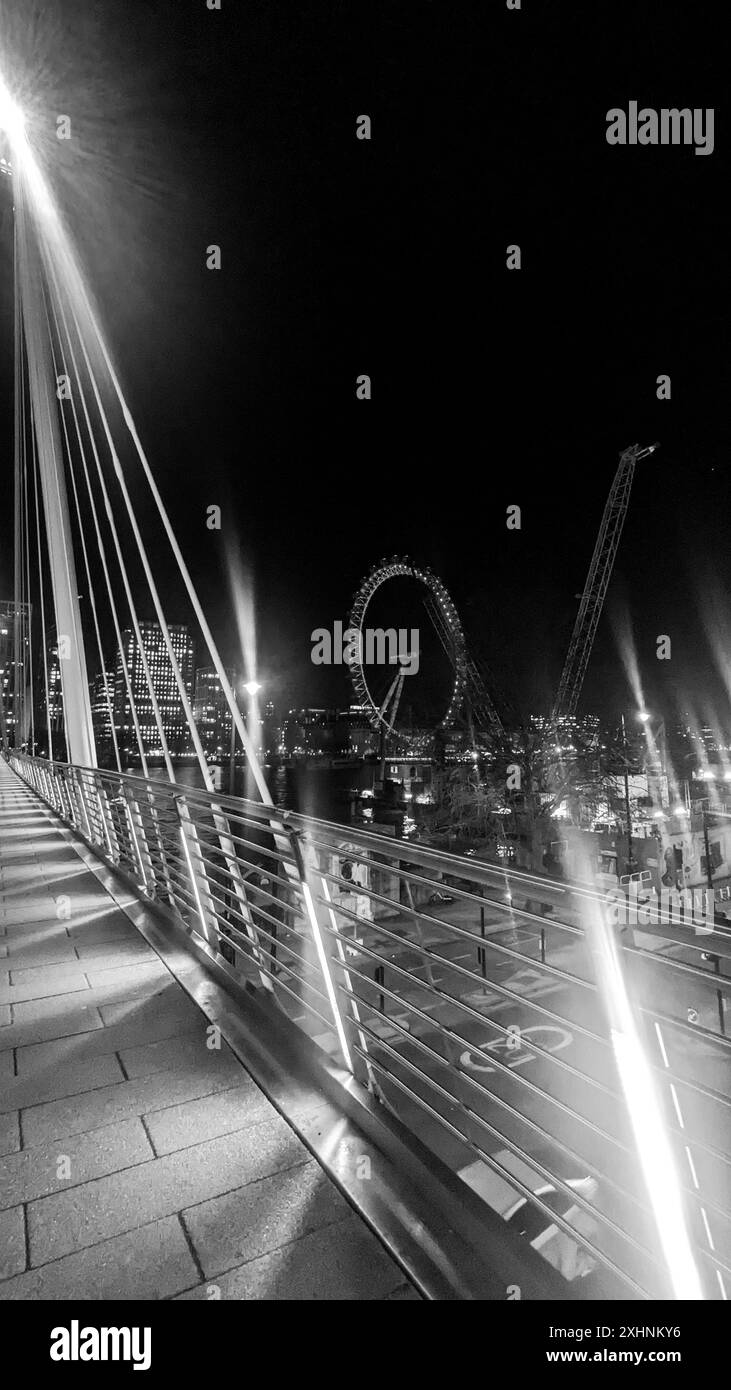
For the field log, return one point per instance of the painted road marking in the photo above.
(382, 1028)
(528, 983)
(554, 1040)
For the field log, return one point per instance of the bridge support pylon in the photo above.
(29, 272)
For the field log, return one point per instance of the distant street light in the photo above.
(12, 120)
(627, 809)
(252, 688)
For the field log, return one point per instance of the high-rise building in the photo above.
(172, 713)
(309, 732)
(100, 716)
(9, 681)
(211, 711)
(52, 698)
(50, 703)
(272, 734)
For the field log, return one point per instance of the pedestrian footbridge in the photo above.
(248, 1055)
(139, 1159)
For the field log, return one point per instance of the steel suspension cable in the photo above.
(220, 821)
(92, 597)
(43, 607)
(187, 708)
(100, 541)
(28, 607)
(185, 699)
(120, 558)
(17, 502)
(236, 716)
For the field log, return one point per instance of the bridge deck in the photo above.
(137, 1161)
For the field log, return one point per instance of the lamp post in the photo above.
(232, 750)
(627, 810)
(709, 866)
(252, 689)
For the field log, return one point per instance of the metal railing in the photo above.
(465, 996)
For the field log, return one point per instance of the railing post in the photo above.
(229, 852)
(77, 780)
(50, 787)
(157, 825)
(319, 938)
(139, 840)
(82, 815)
(197, 872)
(70, 812)
(106, 820)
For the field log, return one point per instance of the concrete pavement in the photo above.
(138, 1159)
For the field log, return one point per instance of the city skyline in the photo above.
(576, 409)
(365, 662)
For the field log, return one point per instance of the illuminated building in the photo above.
(211, 711)
(172, 713)
(7, 681)
(100, 716)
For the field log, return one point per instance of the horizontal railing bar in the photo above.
(231, 838)
(493, 986)
(504, 1173)
(545, 1172)
(494, 1098)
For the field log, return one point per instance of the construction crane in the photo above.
(597, 583)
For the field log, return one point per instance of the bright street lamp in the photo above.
(12, 120)
(252, 688)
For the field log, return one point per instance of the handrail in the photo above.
(419, 998)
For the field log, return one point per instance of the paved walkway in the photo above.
(136, 1161)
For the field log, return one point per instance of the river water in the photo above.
(326, 792)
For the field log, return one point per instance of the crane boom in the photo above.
(597, 583)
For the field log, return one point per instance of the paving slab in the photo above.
(54, 951)
(261, 1217)
(91, 933)
(109, 986)
(84, 1075)
(178, 1126)
(158, 1024)
(48, 1168)
(95, 1211)
(163, 1000)
(169, 1052)
(42, 989)
(9, 1132)
(133, 1156)
(53, 1024)
(28, 977)
(12, 1242)
(111, 1103)
(343, 1262)
(101, 955)
(38, 909)
(153, 1262)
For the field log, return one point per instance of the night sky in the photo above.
(387, 257)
